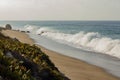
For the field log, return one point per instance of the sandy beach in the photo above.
(72, 68)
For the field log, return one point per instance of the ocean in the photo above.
(96, 42)
(98, 36)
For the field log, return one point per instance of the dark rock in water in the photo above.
(41, 33)
(28, 31)
(8, 26)
(23, 31)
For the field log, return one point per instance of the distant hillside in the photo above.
(20, 61)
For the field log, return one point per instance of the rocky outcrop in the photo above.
(8, 27)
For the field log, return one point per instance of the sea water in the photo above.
(96, 42)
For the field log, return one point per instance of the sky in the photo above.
(59, 9)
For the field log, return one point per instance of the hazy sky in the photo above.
(59, 9)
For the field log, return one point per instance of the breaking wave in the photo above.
(37, 29)
(90, 40)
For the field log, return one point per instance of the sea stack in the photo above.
(8, 26)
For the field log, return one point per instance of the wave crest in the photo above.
(92, 40)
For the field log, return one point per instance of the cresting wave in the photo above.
(37, 29)
(90, 40)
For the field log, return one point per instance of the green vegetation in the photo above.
(19, 61)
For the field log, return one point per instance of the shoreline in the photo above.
(67, 65)
(53, 54)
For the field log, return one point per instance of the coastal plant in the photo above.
(20, 61)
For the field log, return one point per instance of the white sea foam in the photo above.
(37, 29)
(92, 40)
(31, 28)
(43, 29)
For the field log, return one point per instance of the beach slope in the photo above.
(72, 68)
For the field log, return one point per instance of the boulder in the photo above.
(8, 26)
(27, 31)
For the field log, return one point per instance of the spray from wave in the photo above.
(90, 40)
(37, 29)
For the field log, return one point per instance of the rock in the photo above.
(27, 31)
(23, 31)
(8, 26)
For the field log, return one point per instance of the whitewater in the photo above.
(91, 41)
